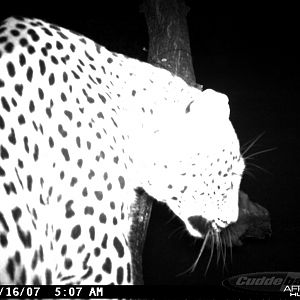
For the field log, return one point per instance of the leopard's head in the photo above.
(194, 165)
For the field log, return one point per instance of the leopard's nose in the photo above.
(200, 224)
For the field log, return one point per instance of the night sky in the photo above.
(251, 54)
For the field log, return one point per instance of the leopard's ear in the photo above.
(188, 108)
(209, 105)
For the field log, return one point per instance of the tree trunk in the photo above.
(169, 48)
(169, 44)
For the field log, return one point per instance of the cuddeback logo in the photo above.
(280, 282)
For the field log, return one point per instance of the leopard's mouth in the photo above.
(203, 226)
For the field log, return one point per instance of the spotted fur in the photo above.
(80, 129)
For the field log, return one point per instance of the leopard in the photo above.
(81, 129)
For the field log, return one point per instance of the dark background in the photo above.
(250, 53)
